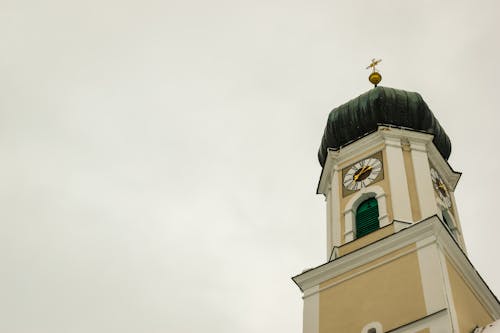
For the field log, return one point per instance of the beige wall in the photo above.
(368, 239)
(389, 291)
(470, 312)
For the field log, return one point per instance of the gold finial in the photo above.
(375, 76)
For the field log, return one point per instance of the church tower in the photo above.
(396, 259)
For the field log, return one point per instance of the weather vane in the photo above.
(375, 76)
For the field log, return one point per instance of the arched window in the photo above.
(352, 205)
(367, 217)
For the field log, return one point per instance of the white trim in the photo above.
(423, 180)
(412, 136)
(396, 172)
(363, 271)
(456, 220)
(326, 173)
(450, 176)
(374, 324)
(398, 225)
(391, 136)
(310, 323)
(437, 323)
(349, 225)
(445, 213)
(467, 272)
(433, 228)
(329, 220)
(449, 294)
(334, 210)
(365, 255)
(334, 254)
(373, 191)
(336, 157)
(431, 275)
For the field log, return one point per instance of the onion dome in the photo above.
(381, 106)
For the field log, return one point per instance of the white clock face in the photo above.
(440, 188)
(362, 174)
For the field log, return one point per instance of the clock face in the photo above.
(362, 174)
(440, 188)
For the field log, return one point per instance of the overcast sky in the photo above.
(158, 158)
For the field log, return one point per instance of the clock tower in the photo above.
(396, 259)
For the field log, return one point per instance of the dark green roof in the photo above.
(381, 106)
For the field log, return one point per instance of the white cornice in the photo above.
(326, 172)
(336, 157)
(386, 136)
(450, 176)
(363, 256)
(412, 135)
(467, 271)
(433, 231)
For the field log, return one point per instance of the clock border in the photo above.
(378, 155)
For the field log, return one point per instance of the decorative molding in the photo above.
(432, 230)
(363, 271)
(405, 144)
(450, 176)
(423, 180)
(411, 135)
(464, 267)
(335, 253)
(434, 321)
(365, 255)
(336, 157)
(311, 312)
(431, 275)
(390, 136)
(421, 146)
(335, 213)
(398, 182)
(400, 225)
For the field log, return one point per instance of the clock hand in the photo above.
(443, 188)
(366, 169)
(358, 174)
(361, 172)
(355, 177)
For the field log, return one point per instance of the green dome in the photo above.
(381, 106)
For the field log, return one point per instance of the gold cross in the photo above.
(373, 64)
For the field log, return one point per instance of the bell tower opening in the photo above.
(367, 217)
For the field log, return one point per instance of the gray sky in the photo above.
(159, 157)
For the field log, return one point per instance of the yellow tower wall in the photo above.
(391, 286)
(470, 312)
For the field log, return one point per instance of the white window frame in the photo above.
(375, 324)
(365, 193)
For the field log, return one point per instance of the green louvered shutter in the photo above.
(367, 217)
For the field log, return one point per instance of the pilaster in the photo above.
(400, 197)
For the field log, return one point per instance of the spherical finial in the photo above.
(375, 76)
